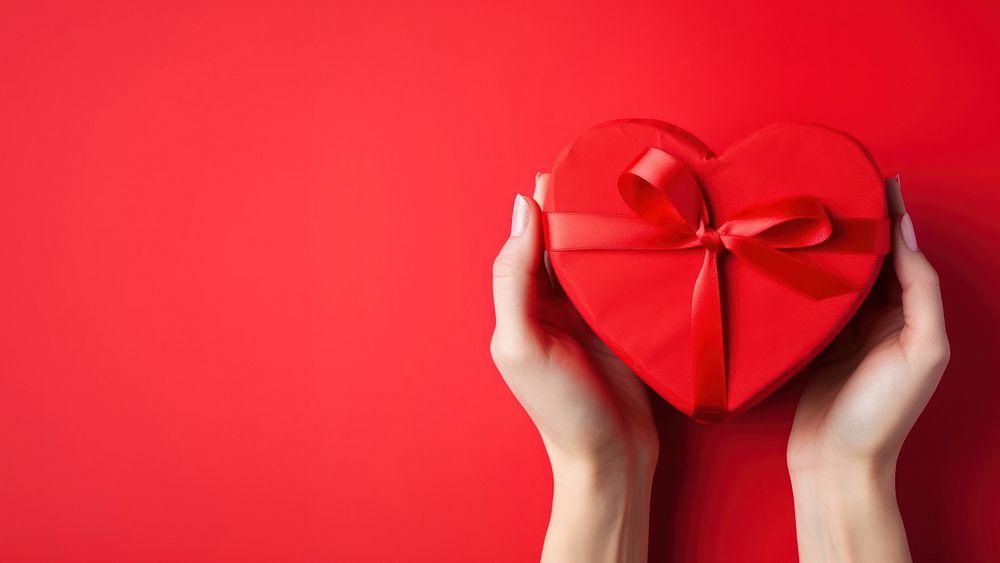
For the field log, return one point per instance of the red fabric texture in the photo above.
(789, 227)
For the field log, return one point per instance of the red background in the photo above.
(245, 256)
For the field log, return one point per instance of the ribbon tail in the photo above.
(707, 343)
(813, 281)
(858, 236)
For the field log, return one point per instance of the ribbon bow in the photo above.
(671, 214)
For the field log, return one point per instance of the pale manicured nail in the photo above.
(895, 196)
(906, 229)
(520, 218)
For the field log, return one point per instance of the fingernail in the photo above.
(520, 218)
(537, 176)
(906, 229)
(894, 197)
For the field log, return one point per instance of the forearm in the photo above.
(598, 514)
(849, 514)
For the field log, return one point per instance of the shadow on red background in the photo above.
(245, 250)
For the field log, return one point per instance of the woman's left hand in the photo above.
(863, 398)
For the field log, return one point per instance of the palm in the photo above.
(839, 410)
(609, 405)
(867, 390)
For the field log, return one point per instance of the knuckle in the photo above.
(505, 265)
(505, 273)
(942, 353)
(932, 279)
(508, 354)
(935, 353)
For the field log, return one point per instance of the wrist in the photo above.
(847, 512)
(598, 479)
(834, 471)
(838, 492)
(623, 463)
(600, 511)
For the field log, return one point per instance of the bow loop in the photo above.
(795, 222)
(663, 192)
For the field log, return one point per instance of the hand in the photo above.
(864, 396)
(592, 412)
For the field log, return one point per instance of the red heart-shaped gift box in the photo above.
(716, 278)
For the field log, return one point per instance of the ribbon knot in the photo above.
(671, 214)
(711, 239)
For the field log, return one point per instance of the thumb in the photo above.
(517, 268)
(923, 314)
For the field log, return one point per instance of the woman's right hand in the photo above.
(592, 412)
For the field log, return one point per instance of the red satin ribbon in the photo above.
(671, 214)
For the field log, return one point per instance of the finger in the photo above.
(517, 269)
(894, 197)
(543, 181)
(923, 315)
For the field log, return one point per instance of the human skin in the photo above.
(594, 417)
(592, 412)
(861, 402)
